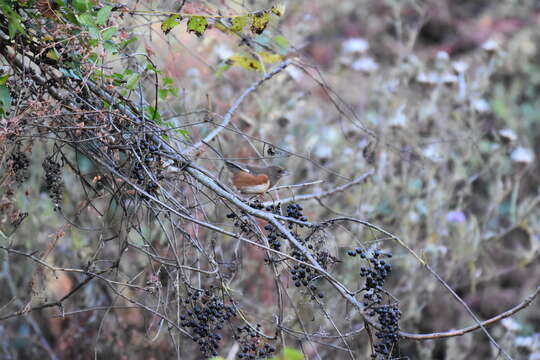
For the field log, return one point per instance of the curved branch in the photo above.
(322, 194)
(228, 115)
(440, 335)
(480, 325)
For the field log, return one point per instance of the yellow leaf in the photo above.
(259, 21)
(239, 22)
(270, 58)
(279, 10)
(52, 54)
(246, 62)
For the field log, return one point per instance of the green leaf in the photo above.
(13, 18)
(86, 20)
(198, 25)
(259, 21)
(5, 99)
(94, 32)
(167, 81)
(289, 354)
(15, 25)
(53, 54)
(281, 42)
(81, 5)
(109, 33)
(223, 67)
(110, 47)
(132, 81)
(124, 44)
(184, 133)
(238, 23)
(4, 79)
(70, 73)
(93, 57)
(152, 68)
(171, 22)
(153, 114)
(163, 93)
(103, 15)
(71, 17)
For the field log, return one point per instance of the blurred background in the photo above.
(440, 98)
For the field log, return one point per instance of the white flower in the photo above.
(366, 64)
(223, 51)
(508, 134)
(460, 66)
(399, 119)
(522, 155)
(355, 45)
(480, 105)
(434, 78)
(432, 152)
(510, 324)
(442, 56)
(490, 45)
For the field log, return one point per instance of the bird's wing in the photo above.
(234, 167)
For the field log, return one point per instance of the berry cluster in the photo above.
(387, 315)
(205, 314)
(20, 164)
(295, 211)
(301, 274)
(148, 153)
(272, 233)
(251, 345)
(240, 221)
(53, 180)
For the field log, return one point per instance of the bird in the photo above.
(253, 179)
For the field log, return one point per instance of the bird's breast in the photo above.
(251, 184)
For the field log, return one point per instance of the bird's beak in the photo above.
(285, 173)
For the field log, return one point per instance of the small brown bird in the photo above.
(254, 180)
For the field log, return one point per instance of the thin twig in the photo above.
(296, 185)
(322, 194)
(228, 115)
(444, 283)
